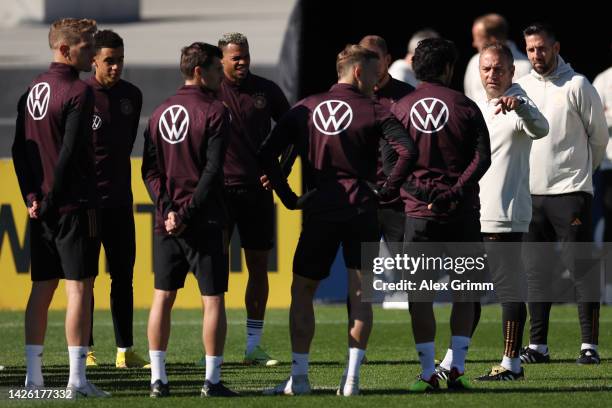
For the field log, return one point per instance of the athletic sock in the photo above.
(34, 375)
(354, 362)
(254, 331)
(512, 364)
(448, 359)
(460, 345)
(299, 364)
(426, 357)
(213, 368)
(158, 366)
(587, 346)
(78, 360)
(540, 348)
(123, 349)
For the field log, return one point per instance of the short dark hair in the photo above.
(198, 54)
(431, 57)
(374, 41)
(500, 49)
(353, 54)
(540, 28)
(107, 39)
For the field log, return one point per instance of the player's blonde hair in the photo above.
(351, 55)
(232, 38)
(70, 31)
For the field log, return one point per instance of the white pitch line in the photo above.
(241, 322)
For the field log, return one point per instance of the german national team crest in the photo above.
(38, 100)
(260, 101)
(96, 122)
(332, 117)
(174, 124)
(429, 115)
(126, 106)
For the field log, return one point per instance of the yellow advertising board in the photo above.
(15, 254)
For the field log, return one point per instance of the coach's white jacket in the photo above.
(564, 161)
(472, 84)
(603, 85)
(504, 189)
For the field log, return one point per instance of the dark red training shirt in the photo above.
(252, 104)
(454, 148)
(337, 133)
(392, 92)
(182, 164)
(115, 125)
(53, 150)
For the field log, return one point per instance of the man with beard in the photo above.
(561, 183)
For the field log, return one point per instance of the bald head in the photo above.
(490, 28)
(374, 41)
(378, 45)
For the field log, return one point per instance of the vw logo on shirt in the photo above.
(174, 124)
(332, 117)
(429, 115)
(38, 100)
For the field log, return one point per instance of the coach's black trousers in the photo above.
(119, 241)
(506, 268)
(561, 218)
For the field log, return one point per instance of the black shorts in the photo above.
(430, 238)
(202, 251)
(392, 222)
(465, 228)
(320, 240)
(251, 210)
(66, 247)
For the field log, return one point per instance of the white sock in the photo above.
(587, 346)
(426, 357)
(299, 364)
(123, 349)
(512, 364)
(158, 366)
(254, 331)
(448, 359)
(460, 345)
(540, 348)
(33, 354)
(354, 362)
(213, 368)
(78, 359)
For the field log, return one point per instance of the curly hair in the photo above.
(431, 57)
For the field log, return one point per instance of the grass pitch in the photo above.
(392, 365)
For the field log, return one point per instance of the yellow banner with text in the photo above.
(15, 252)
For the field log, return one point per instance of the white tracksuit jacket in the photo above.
(564, 161)
(505, 202)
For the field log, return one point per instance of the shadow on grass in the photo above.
(528, 390)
